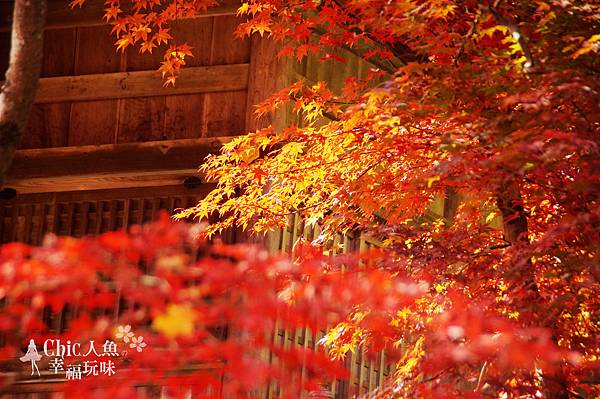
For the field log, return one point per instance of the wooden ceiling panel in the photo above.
(226, 48)
(49, 123)
(92, 122)
(185, 116)
(226, 113)
(142, 119)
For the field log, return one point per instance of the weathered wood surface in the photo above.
(185, 115)
(94, 54)
(50, 122)
(226, 111)
(104, 86)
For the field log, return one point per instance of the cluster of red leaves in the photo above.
(177, 291)
(145, 23)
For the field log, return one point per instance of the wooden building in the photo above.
(108, 146)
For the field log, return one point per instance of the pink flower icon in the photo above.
(124, 333)
(138, 343)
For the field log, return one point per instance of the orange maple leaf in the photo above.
(162, 36)
(123, 42)
(111, 12)
(148, 45)
(75, 3)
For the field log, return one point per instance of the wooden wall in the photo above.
(94, 100)
(366, 373)
(84, 50)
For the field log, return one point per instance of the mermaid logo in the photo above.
(33, 356)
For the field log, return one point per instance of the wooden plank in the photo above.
(60, 15)
(98, 195)
(59, 53)
(185, 115)
(69, 219)
(101, 182)
(14, 223)
(91, 122)
(109, 166)
(48, 126)
(113, 158)
(28, 225)
(84, 218)
(141, 119)
(53, 221)
(49, 123)
(226, 112)
(225, 47)
(99, 217)
(141, 84)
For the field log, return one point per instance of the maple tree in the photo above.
(490, 105)
(493, 105)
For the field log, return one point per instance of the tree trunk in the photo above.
(514, 219)
(18, 92)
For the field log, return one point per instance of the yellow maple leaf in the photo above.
(177, 321)
(249, 154)
(243, 9)
(123, 42)
(261, 28)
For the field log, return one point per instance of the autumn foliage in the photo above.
(207, 313)
(491, 106)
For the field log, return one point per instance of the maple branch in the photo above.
(515, 32)
(470, 34)
(401, 51)
(18, 92)
(514, 218)
(371, 166)
(380, 65)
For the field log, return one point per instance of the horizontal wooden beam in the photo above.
(141, 84)
(60, 15)
(101, 182)
(110, 194)
(110, 166)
